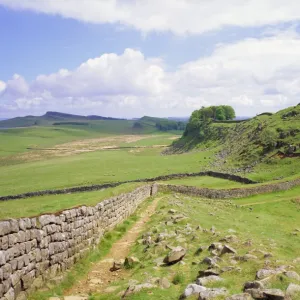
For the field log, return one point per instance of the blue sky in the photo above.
(127, 60)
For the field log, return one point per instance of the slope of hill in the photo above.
(244, 143)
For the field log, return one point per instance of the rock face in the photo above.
(33, 250)
(176, 255)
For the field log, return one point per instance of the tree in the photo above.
(229, 112)
(220, 113)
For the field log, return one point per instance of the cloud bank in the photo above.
(177, 16)
(253, 75)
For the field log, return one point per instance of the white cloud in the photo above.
(178, 16)
(253, 75)
(2, 87)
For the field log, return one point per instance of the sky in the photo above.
(129, 58)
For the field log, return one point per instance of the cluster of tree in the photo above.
(202, 117)
(166, 125)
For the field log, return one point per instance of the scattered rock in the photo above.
(292, 275)
(273, 294)
(131, 262)
(210, 261)
(136, 288)
(76, 298)
(164, 283)
(176, 255)
(264, 273)
(172, 211)
(207, 280)
(209, 272)
(117, 265)
(212, 293)
(244, 296)
(229, 239)
(227, 249)
(248, 257)
(215, 246)
(293, 290)
(253, 285)
(192, 289)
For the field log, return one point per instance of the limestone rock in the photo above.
(274, 294)
(293, 290)
(164, 283)
(192, 289)
(209, 272)
(212, 293)
(207, 280)
(131, 262)
(264, 273)
(253, 285)
(227, 249)
(244, 296)
(293, 275)
(176, 255)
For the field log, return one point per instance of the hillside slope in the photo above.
(244, 143)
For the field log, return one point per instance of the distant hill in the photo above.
(245, 142)
(52, 118)
(147, 123)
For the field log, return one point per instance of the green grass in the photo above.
(269, 226)
(96, 168)
(53, 203)
(205, 182)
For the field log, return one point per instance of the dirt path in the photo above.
(100, 276)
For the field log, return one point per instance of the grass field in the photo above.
(96, 168)
(53, 203)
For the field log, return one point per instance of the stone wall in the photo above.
(96, 187)
(229, 193)
(33, 250)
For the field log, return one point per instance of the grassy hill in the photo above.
(267, 138)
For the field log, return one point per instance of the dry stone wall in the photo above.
(229, 193)
(34, 250)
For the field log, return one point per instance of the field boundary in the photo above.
(229, 193)
(96, 187)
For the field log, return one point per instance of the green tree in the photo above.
(229, 112)
(220, 113)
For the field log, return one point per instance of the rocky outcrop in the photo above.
(33, 250)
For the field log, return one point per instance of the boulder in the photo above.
(264, 273)
(253, 285)
(192, 289)
(131, 262)
(209, 261)
(293, 291)
(215, 246)
(273, 294)
(209, 272)
(244, 296)
(227, 249)
(207, 280)
(293, 275)
(176, 255)
(164, 283)
(212, 293)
